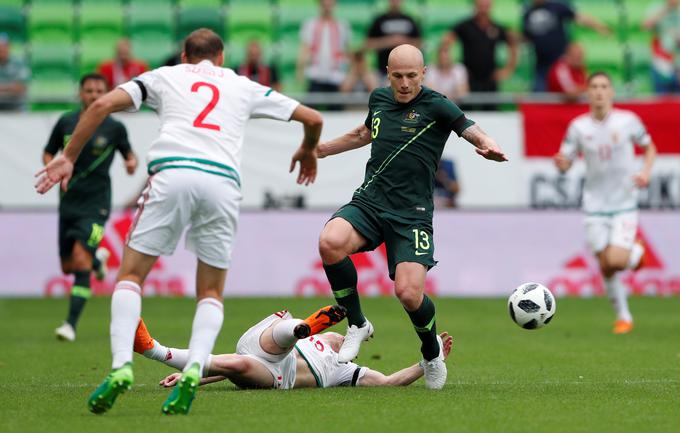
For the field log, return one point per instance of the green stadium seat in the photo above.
(190, 19)
(292, 13)
(13, 3)
(150, 18)
(440, 16)
(155, 3)
(359, 14)
(52, 60)
(12, 22)
(153, 48)
(201, 3)
(51, 21)
(93, 51)
(105, 17)
(249, 19)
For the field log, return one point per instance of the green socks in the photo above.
(343, 279)
(423, 320)
(80, 293)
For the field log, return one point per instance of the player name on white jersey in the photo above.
(203, 110)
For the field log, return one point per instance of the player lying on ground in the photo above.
(265, 357)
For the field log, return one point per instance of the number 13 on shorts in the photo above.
(421, 240)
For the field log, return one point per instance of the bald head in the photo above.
(405, 56)
(406, 71)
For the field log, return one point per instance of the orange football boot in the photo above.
(622, 327)
(143, 340)
(322, 319)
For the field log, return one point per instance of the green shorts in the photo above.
(406, 240)
(89, 231)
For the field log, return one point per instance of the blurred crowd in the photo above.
(327, 63)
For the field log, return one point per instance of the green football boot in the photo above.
(116, 383)
(179, 401)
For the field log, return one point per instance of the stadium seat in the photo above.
(190, 19)
(93, 51)
(51, 21)
(202, 3)
(155, 18)
(441, 15)
(359, 14)
(53, 71)
(249, 19)
(292, 13)
(153, 48)
(100, 17)
(12, 22)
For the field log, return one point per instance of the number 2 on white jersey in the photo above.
(198, 122)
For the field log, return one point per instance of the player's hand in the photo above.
(448, 343)
(641, 179)
(491, 151)
(131, 164)
(59, 170)
(171, 380)
(561, 162)
(307, 159)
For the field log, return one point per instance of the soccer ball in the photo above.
(531, 306)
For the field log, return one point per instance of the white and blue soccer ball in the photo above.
(531, 306)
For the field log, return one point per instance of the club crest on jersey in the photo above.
(100, 141)
(412, 116)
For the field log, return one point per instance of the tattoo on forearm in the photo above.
(474, 135)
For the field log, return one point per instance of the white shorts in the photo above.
(282, 366)
(618, 230)
(176, 198)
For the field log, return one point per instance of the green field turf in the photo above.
(573, 376)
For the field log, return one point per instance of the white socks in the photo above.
(204, 331)
(126, 307)
(282, 333)
(170, 356)
(618, 294)
(635, 255)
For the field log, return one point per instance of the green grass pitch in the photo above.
(573, 376)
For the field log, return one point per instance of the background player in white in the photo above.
(194, 181)
(265, 357)
(606, 137)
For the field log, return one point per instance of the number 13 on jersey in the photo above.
(421, 240)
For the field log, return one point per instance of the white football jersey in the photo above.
(608, 149)
(203, 110)
(322, 360)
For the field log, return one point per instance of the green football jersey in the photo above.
(407, 143)
(89, 191)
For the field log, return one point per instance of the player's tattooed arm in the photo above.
(356, 138)
(485, 145)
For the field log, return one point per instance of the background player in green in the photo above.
(408, 126)
(85, 206)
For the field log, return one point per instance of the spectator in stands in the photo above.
(544, 24)
(446, 77)
(253, 67)
(323, 56)
(446, 186)
(14, 76)
(480, 37)
(360, 77)
(389, 30)
(568, 75)
(664, 19)
(123, 67)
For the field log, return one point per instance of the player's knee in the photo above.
(409, 294)
(66, 267)
(332, 247)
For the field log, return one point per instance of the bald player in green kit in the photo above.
(408, 126)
